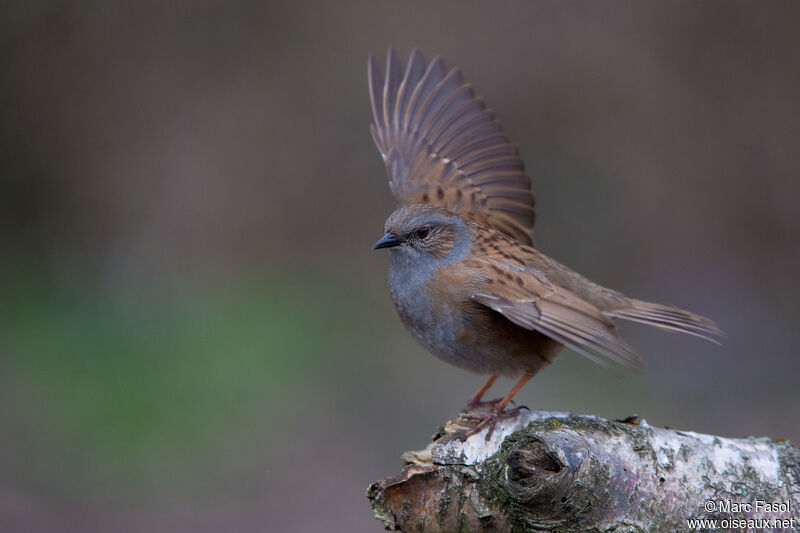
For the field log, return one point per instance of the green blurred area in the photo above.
(128, 390)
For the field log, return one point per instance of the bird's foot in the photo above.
(477, 404)
(490, 420)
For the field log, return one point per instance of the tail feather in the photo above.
(669, 318)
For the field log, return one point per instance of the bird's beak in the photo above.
(389, 240)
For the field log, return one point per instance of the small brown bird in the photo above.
(463, 273)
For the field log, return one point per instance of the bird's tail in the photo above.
(669, 318)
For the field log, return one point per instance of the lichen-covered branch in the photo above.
(546, 471)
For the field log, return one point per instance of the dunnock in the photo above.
(463, 273)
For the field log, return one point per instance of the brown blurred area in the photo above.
(195, 334)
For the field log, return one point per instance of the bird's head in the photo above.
(425, 231)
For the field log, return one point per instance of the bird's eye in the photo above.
(422, 232)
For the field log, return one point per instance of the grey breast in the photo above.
(432, 324)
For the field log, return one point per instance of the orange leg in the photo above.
(497, 412)
(475, 401)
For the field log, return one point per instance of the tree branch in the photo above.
(561, 472)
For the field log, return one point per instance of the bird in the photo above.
(464, 275)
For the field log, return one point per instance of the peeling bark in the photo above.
(547, 471)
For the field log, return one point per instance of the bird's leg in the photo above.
(475, 401)
(499, 410)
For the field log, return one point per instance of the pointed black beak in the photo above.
(389, 240)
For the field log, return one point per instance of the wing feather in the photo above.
(530, 301)
(442, 146)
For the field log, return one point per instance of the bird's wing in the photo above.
(527, 298)
(441, 145)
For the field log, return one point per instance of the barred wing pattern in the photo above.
(441, 146)
(529, 300)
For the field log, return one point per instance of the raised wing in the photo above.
(441, 145)
(529, 300)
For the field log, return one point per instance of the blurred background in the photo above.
(194, 332)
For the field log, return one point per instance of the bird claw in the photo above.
(477, 404)
(490, 420)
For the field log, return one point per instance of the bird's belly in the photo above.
(473, 337)
(435, 326)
